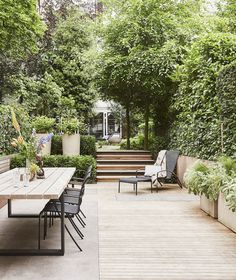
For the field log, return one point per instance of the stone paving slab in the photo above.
(74, 265)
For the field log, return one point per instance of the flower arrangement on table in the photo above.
(31, 150)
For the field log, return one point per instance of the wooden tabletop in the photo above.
(56, 180)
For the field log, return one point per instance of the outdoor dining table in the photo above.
(52, 187)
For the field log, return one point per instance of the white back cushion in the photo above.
(151, 170)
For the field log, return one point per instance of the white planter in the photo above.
(71, 144)
(225, 215)
(208, 206)
(46, 150)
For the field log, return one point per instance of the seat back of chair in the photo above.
(171, 162)
(161, 161)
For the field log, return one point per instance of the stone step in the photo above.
(124, 157)
(119, 172)
(125, 162)
(123, 152)
(120, 167)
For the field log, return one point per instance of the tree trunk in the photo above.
(128, 125)
(146, 129)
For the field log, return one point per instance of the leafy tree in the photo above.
(143, 41)
(37, 96)
(69, 63)
(20, 28)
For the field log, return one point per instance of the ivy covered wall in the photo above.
(201, 103)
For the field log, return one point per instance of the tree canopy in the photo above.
(20, 27)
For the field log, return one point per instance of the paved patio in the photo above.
(161, 235)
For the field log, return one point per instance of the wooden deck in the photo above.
(162, 236)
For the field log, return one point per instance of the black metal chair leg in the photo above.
(82, 214)
(80, 220)
(39, 232)
(76, 228)
(73, 239)
(45, 225)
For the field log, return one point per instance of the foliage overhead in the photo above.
(20, 27)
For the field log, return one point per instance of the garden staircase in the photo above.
(112, 165)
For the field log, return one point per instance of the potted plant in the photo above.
(205, 180)
(70, 137)
(43, 125)
(227, 197)
(30, 149)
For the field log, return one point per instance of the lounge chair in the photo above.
(163, 170)
(168, 175)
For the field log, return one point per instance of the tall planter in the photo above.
(225, 215)
(208, 206)
(47, 149)
(71, 144)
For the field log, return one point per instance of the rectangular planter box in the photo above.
(208, 206)
(225, 215)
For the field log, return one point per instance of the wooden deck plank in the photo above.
(161, 239)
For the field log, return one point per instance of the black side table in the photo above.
(134, 181)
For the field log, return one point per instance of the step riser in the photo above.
(120, 173)
(124, 162)
(122, 153)
(124, 157)
(113, 165)
(120, 167)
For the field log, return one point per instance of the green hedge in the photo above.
(87, 145)
(226, 90)
(155, 144)
(79, 162)
(197, 128)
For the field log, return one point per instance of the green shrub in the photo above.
(229, 184)
(229, 165)
(155, 144)
(56, 148)
(202, 179)
(69, 126)
(229, 191)
(87, 145)
(43, 124)
(79, 162)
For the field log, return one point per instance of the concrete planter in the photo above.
(208, 206)
(225, 215)
(71, 144)
(47, 150)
